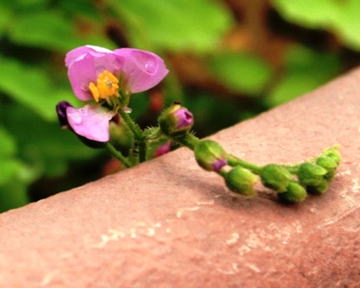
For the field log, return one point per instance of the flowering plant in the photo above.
(105, 80)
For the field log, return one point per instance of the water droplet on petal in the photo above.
(150, 66)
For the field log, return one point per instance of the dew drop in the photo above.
(150, 66)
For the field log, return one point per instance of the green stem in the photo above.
(293, 169)
(235, 161)
(138, 134)
(189, 140)
(223, 173)
(142, 150)
(118, 155)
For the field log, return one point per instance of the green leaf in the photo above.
(7, 144)
(8, 168)
(50, 30)
(309, 13)
(241, 72)
(5, 16)
(305, 70)
(340, 17)
(174, 25)
(347, 24)
(44, 146)
(13, 194)
(32, 87)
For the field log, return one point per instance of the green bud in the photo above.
(311, 174)
(210, 155)
(334, 154)
(275, 177)
(295, 193)
(175, 120)
(319, 188)
(241, 181)
(329, 164)
(121, 137)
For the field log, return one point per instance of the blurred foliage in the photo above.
(229, 60)
(338, 16)
(254, 73)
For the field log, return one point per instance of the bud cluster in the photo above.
(291, 183)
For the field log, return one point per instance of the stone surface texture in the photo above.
(167, 223)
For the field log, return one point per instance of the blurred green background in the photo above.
(229, 60)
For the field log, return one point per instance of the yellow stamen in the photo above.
(107, 85)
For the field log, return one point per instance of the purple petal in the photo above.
(142, 69)
(184, 117)
(72, 55)
(219, 164)
(90, 121)
(163, 149)
(85, 69)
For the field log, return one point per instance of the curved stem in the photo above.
(234, 161)
(189, 140)
(118, 155)
(293, 169)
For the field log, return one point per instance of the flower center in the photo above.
(107, 85)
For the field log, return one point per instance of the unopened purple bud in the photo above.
(219, 164)
(61, 113)
(210, 155)
(175, 120)
(163, 149)
(184, 117)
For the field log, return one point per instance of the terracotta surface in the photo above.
(167, 223)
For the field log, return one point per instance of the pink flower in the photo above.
(90, 121)
(98, 73)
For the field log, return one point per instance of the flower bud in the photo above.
(294, 193)
(334, 154)
(329, 164)
(210, 155)
(311, 174)
(241, 181)
(319, 188)
(61, 113)
(120, 136)
(175, 120)
(275, 177)
(163, 149)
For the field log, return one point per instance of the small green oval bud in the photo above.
(311, 174)
(121, 137)
(329, 164)
(319, 188)
(334, 154)
(210, 155)
(295, 193)
(275, 177)
(241, 181)
(175, 120)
